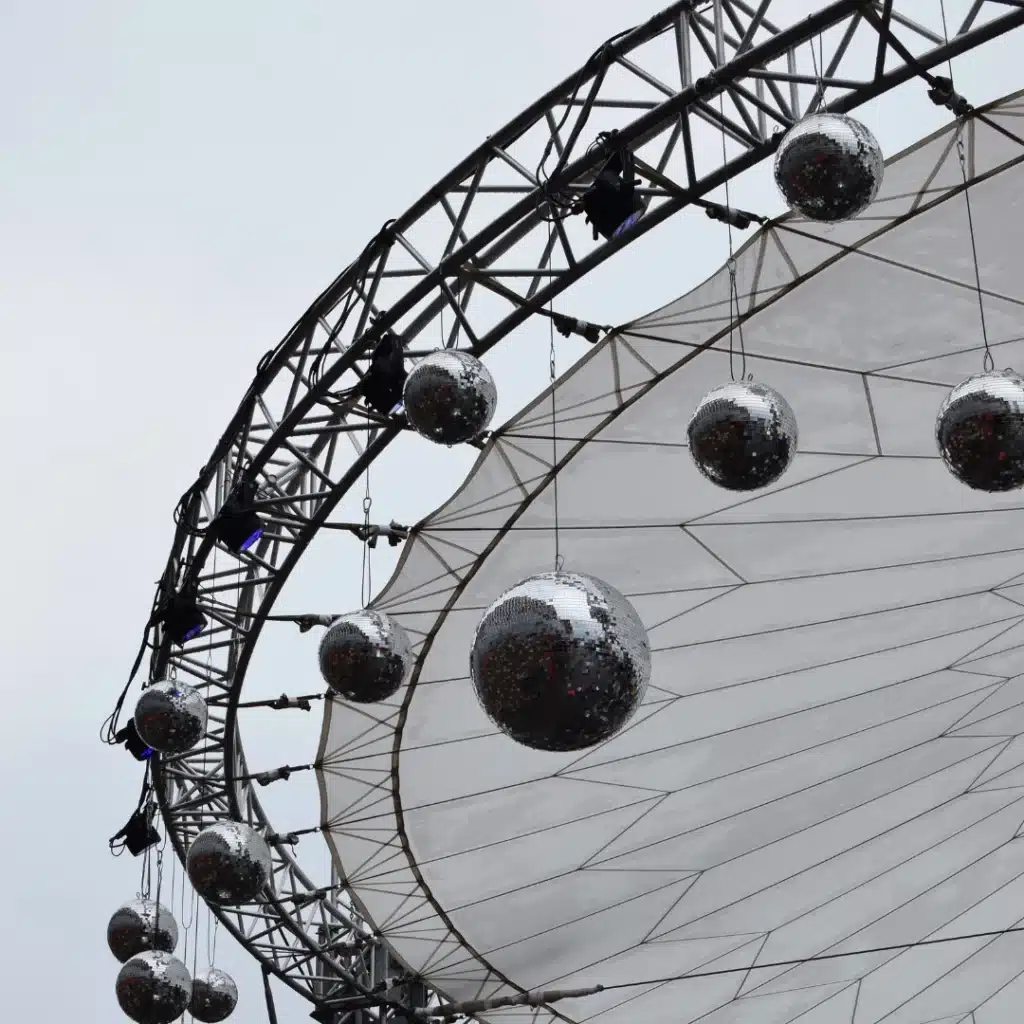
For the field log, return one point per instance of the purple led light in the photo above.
(251, 539)
(628, 223)
(193, 632)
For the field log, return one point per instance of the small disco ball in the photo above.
(365, 656)
(560, 661)
(214, 996)
(228, 863)
(742, 435)
(450, 397)
(141, 925)
(153, 988)
(828, 167)
(980, 431)
(170, 717)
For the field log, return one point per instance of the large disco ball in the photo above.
(450, 397)
(170, 717)
(828, 167)
(214, 996)
(365, 656)
(743, 435)
(980, 431)
(141, 925)
(153, 988)
(228, 863)
(560, 661)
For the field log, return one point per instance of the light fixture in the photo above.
(611, 203)
(138, 833)
(134, 744)
(383, 382)
(181, 618)
(236, 525)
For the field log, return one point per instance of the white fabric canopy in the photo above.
(830, 758)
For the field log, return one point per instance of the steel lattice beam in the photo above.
(700, 93)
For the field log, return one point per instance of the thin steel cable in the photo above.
(734, 299)
(159, 881)
(988, 363)
(195, 946)
(818, 61)
(896, 948)
(553, 375)
(366, 576)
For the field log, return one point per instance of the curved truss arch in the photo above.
(465, 238)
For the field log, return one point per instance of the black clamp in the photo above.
(942, 94)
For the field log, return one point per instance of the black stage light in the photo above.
(236, 525)
(135, 745)
(182, 620)
(611, 203)
(383, 382)
(138, 833)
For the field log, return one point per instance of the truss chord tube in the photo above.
(195, 790)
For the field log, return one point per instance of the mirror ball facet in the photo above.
(560, 661)
(170, 717)
(365, 656)
(829, 167)
(980, 431)
(214, 996)
(140, 925)
(450, 397)
(228, 863)
(743, 435)
(153, 988)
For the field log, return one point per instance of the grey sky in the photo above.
(177, 182)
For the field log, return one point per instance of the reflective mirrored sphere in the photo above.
(560, 661)
(980, 431)
(214, 996)
(450, 397)
(365, 656)
(828, 167)
(743, 435)
(140, 925)
(170, 717)
(228, 863)
(153, 988)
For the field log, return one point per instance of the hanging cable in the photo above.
(553, 376)
(159, 882)
(818, 62)
(987, 362)
(734, 298)
(366, 576)
(212, 923)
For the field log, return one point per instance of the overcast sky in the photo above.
(177, 182)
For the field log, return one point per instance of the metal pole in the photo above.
(268, 992)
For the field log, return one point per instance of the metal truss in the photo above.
(699, 93)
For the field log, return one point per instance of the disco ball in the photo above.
(560, 661)
(214, 996)
(365, 656)
(141, 925)
(743, 436)
(153, 988)
(980, 431)
(170, 717)
(828, 167)
(450, 397)
(228, 863)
